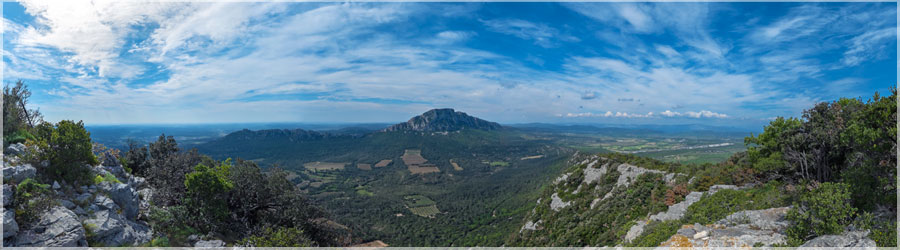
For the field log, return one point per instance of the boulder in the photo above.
(103, 202)
(10, 227)
(18, 173)
(66, 203)
(58, 227)
(124, 196)
(55, 185)
(112, 229)
(7, 195)
(111, 163)
(847, 239)
(209, 243)
(137, 182)
(15, 149)
(83, 198)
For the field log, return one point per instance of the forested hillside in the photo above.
(825, 179)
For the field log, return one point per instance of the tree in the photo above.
(766, 150)
(16, 115)
(137, 158)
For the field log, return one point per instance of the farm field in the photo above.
(318, 165)
(421, 205)
(532, 157)
(413, 157)
(383, 163)
(455, 165)
(426, 211)
(423, 169)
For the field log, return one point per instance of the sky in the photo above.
(642, 63)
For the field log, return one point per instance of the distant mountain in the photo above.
(276, 134)
(443, 120)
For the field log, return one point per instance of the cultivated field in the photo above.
(413, 157)
(532, 157)
(455, 166)
(427, 211)
(364, 166)
(421, 205)
(415, 162)
(383, 163)
(423, 169)
(325, 165)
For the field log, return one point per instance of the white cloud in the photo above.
(541, 34)
(452, 36)
(705, 114)
(869, 45)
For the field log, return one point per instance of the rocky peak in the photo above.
(443, 120)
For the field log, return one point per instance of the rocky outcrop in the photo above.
(124, 196)
(209, 243)
(847, 239)
(58, 227)
(7, 194)
(443, 120)
(10, 227)
(18, 173)
(112, 229)
(557, 203)
(742, 229)
(106, 213)
(15, 149)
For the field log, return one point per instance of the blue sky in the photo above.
(659, 63)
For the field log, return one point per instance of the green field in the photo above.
(426, 211)
(499, 164)
(418, 201)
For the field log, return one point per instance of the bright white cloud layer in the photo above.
(166, 62)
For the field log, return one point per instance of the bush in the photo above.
(656, 233)
(207, 195)
(31, 199)
(70, 152)
(106, 178)
(882, 230)
(283, 237)
(824, 210)
(712, 208)
(20, 136)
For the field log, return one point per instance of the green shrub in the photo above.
(882, 231)
(69, 150)
(712, 208)
(656, 233)
(20, 136)
(822, 211)
(32, 199)
(106, 178)
(207, 195)
(283, 237)
(161, 241)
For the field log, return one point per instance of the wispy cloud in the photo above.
(173, 62)
(542, 35)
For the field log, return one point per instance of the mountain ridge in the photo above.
(444, 119)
